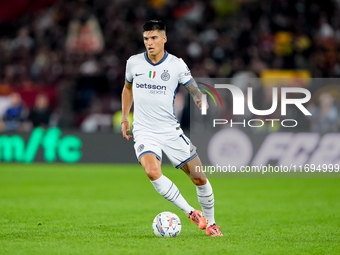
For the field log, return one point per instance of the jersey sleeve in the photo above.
(184, 76)
(128, 72)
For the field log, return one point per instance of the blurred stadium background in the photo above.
(62, 62)
(62, 69)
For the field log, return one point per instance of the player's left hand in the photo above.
(198, 102)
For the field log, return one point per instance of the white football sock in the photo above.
(170, 192)
(206, 199)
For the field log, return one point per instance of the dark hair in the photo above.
(153, 25)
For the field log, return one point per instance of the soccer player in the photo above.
(151, 82)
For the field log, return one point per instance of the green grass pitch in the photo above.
(109, 209)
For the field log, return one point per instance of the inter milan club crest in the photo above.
(165, 76)
(140, 148)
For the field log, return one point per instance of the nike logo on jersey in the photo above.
(137, 74)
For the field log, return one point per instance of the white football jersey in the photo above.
(154, 89)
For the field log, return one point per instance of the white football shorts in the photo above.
(176, 146)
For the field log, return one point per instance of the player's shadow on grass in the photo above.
(126, 232)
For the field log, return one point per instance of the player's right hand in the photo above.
(125, 128)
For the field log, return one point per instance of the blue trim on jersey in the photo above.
(149, 152)
(128, 81)
(187, 160)
(160, 62)
(187, 83)
(173, 101)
